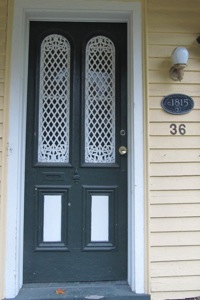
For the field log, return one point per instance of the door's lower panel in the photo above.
(52, 221)
(100, 219)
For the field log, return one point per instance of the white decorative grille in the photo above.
(100, 101)
(54, 100)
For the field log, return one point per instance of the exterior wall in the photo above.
(174, 160)
(3, 45)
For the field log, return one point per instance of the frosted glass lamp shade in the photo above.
(179, 61)
(179, 56)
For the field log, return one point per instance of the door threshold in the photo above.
(118, 290)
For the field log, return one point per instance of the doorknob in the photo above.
(122, 150)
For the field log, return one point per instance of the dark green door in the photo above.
(76, 177)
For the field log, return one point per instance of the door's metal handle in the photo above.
(122, 150)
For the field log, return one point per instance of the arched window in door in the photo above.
(100, 101)
(54, 100)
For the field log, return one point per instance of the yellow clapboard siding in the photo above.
(175, 239)
(165, 64)
(178, 268)
(175, 183)
(2, 65)
(1, 102)
(164, 52)
(180, 5)
(1, 130)
(175, 224)
(181, 196)
(170, 21)
(163, 89)
(156, 129)
(3, 35)
(3, 20)
(171, 39)
(1, 89)
(159, 115)
(156, 295)
(157, 51)
(175, 210)
(182, 26)
(159, 64)
(174, 142)
(175, 253)
(1, 116)
(3, 10)
(2, 75)
(174, 169)
(162, 76)
(185, 283)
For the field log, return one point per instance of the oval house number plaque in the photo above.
(177, 104)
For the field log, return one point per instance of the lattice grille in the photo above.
(100, 101)
(54, 100)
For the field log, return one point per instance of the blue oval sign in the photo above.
(177, 104)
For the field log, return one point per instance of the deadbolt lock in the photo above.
(122, 150)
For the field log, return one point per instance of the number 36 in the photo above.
(175, 129)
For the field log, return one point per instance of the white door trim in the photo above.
(67, 10)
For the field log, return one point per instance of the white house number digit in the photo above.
(175, 129)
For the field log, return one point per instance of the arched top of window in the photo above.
(99, 43)
(55, 42)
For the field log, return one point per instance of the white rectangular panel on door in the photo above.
(100, 218)
(52, 218)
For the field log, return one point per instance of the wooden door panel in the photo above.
(75, 208)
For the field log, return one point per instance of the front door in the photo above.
(76, 162)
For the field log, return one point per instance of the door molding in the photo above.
(64, 10)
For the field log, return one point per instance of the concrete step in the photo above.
(79, 291)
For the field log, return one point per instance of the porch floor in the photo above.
(79, 291)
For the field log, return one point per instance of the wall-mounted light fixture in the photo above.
(179, 61)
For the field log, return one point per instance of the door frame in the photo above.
(64, 10)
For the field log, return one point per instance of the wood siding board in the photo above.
(171, 39)
(162, 76)
(175, 239)
(175, 269)
(175, 210)
(173, 224)
(174, 142)
(179, 197)
(3, 11)
(164, 64)
(170, 22)
(163, 89)
(175, 183)
(159, 115)
(170, 284)
(174, 295)
(177, 253)
(174, 169)
(180, 5)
